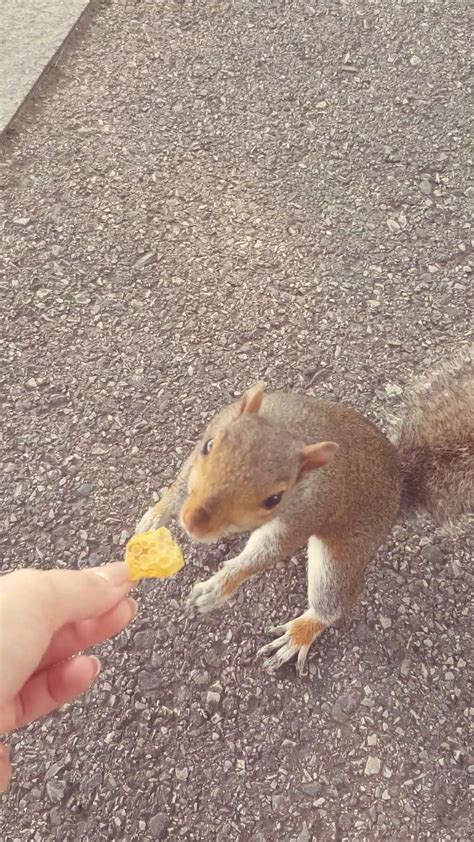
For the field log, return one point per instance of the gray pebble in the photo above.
(56, 790)
(311, 788)
(144, 639)
(304, 835)
(213, 698)
(84, 491)
(346, 705)
(432, 553)
(278, 803)
(150, 680)
(372, 766)
(158, 826)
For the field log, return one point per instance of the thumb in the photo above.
(73, 595)
(65, 596)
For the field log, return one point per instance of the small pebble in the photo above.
(158, 826)
(84, 491)
(372, 767)
(432, 553)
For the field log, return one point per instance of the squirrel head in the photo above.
(245, 472)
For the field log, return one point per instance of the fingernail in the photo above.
(134, 607)
(5, 751)
(115, 573)
(97, 665)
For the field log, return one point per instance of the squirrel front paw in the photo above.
(207, 596)
(294, 639)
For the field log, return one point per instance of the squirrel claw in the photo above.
(284, 649)
(278, 630)
(275, 644)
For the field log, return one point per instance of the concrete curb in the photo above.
(32, 35)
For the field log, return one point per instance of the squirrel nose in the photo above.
(196, 520)
(200, 516)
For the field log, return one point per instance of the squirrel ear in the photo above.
(316, 455)
(251, 400)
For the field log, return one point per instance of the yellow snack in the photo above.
(153, 554)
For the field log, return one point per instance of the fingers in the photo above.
(75, 637)
(74, 595)
(5, 768)
(35, 604)
(49, 689)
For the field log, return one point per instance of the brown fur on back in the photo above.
(435, 441)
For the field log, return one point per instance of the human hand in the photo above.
(46, 618)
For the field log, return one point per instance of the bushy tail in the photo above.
(435, 440)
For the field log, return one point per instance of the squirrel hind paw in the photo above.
(281, 650)
(295, 640)
(285, 651)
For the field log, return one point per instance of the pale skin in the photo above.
(48, 617)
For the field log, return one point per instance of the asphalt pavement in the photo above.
(200, 195)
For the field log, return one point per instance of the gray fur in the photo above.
(353, 501)
(435, 441)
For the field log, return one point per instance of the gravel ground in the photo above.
(199, 195)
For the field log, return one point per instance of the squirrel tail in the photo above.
(435, 441)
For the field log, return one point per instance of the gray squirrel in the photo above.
(296, 471)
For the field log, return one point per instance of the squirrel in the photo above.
(296, 471)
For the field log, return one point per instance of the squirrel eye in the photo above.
(272, 501)
(207, 447)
